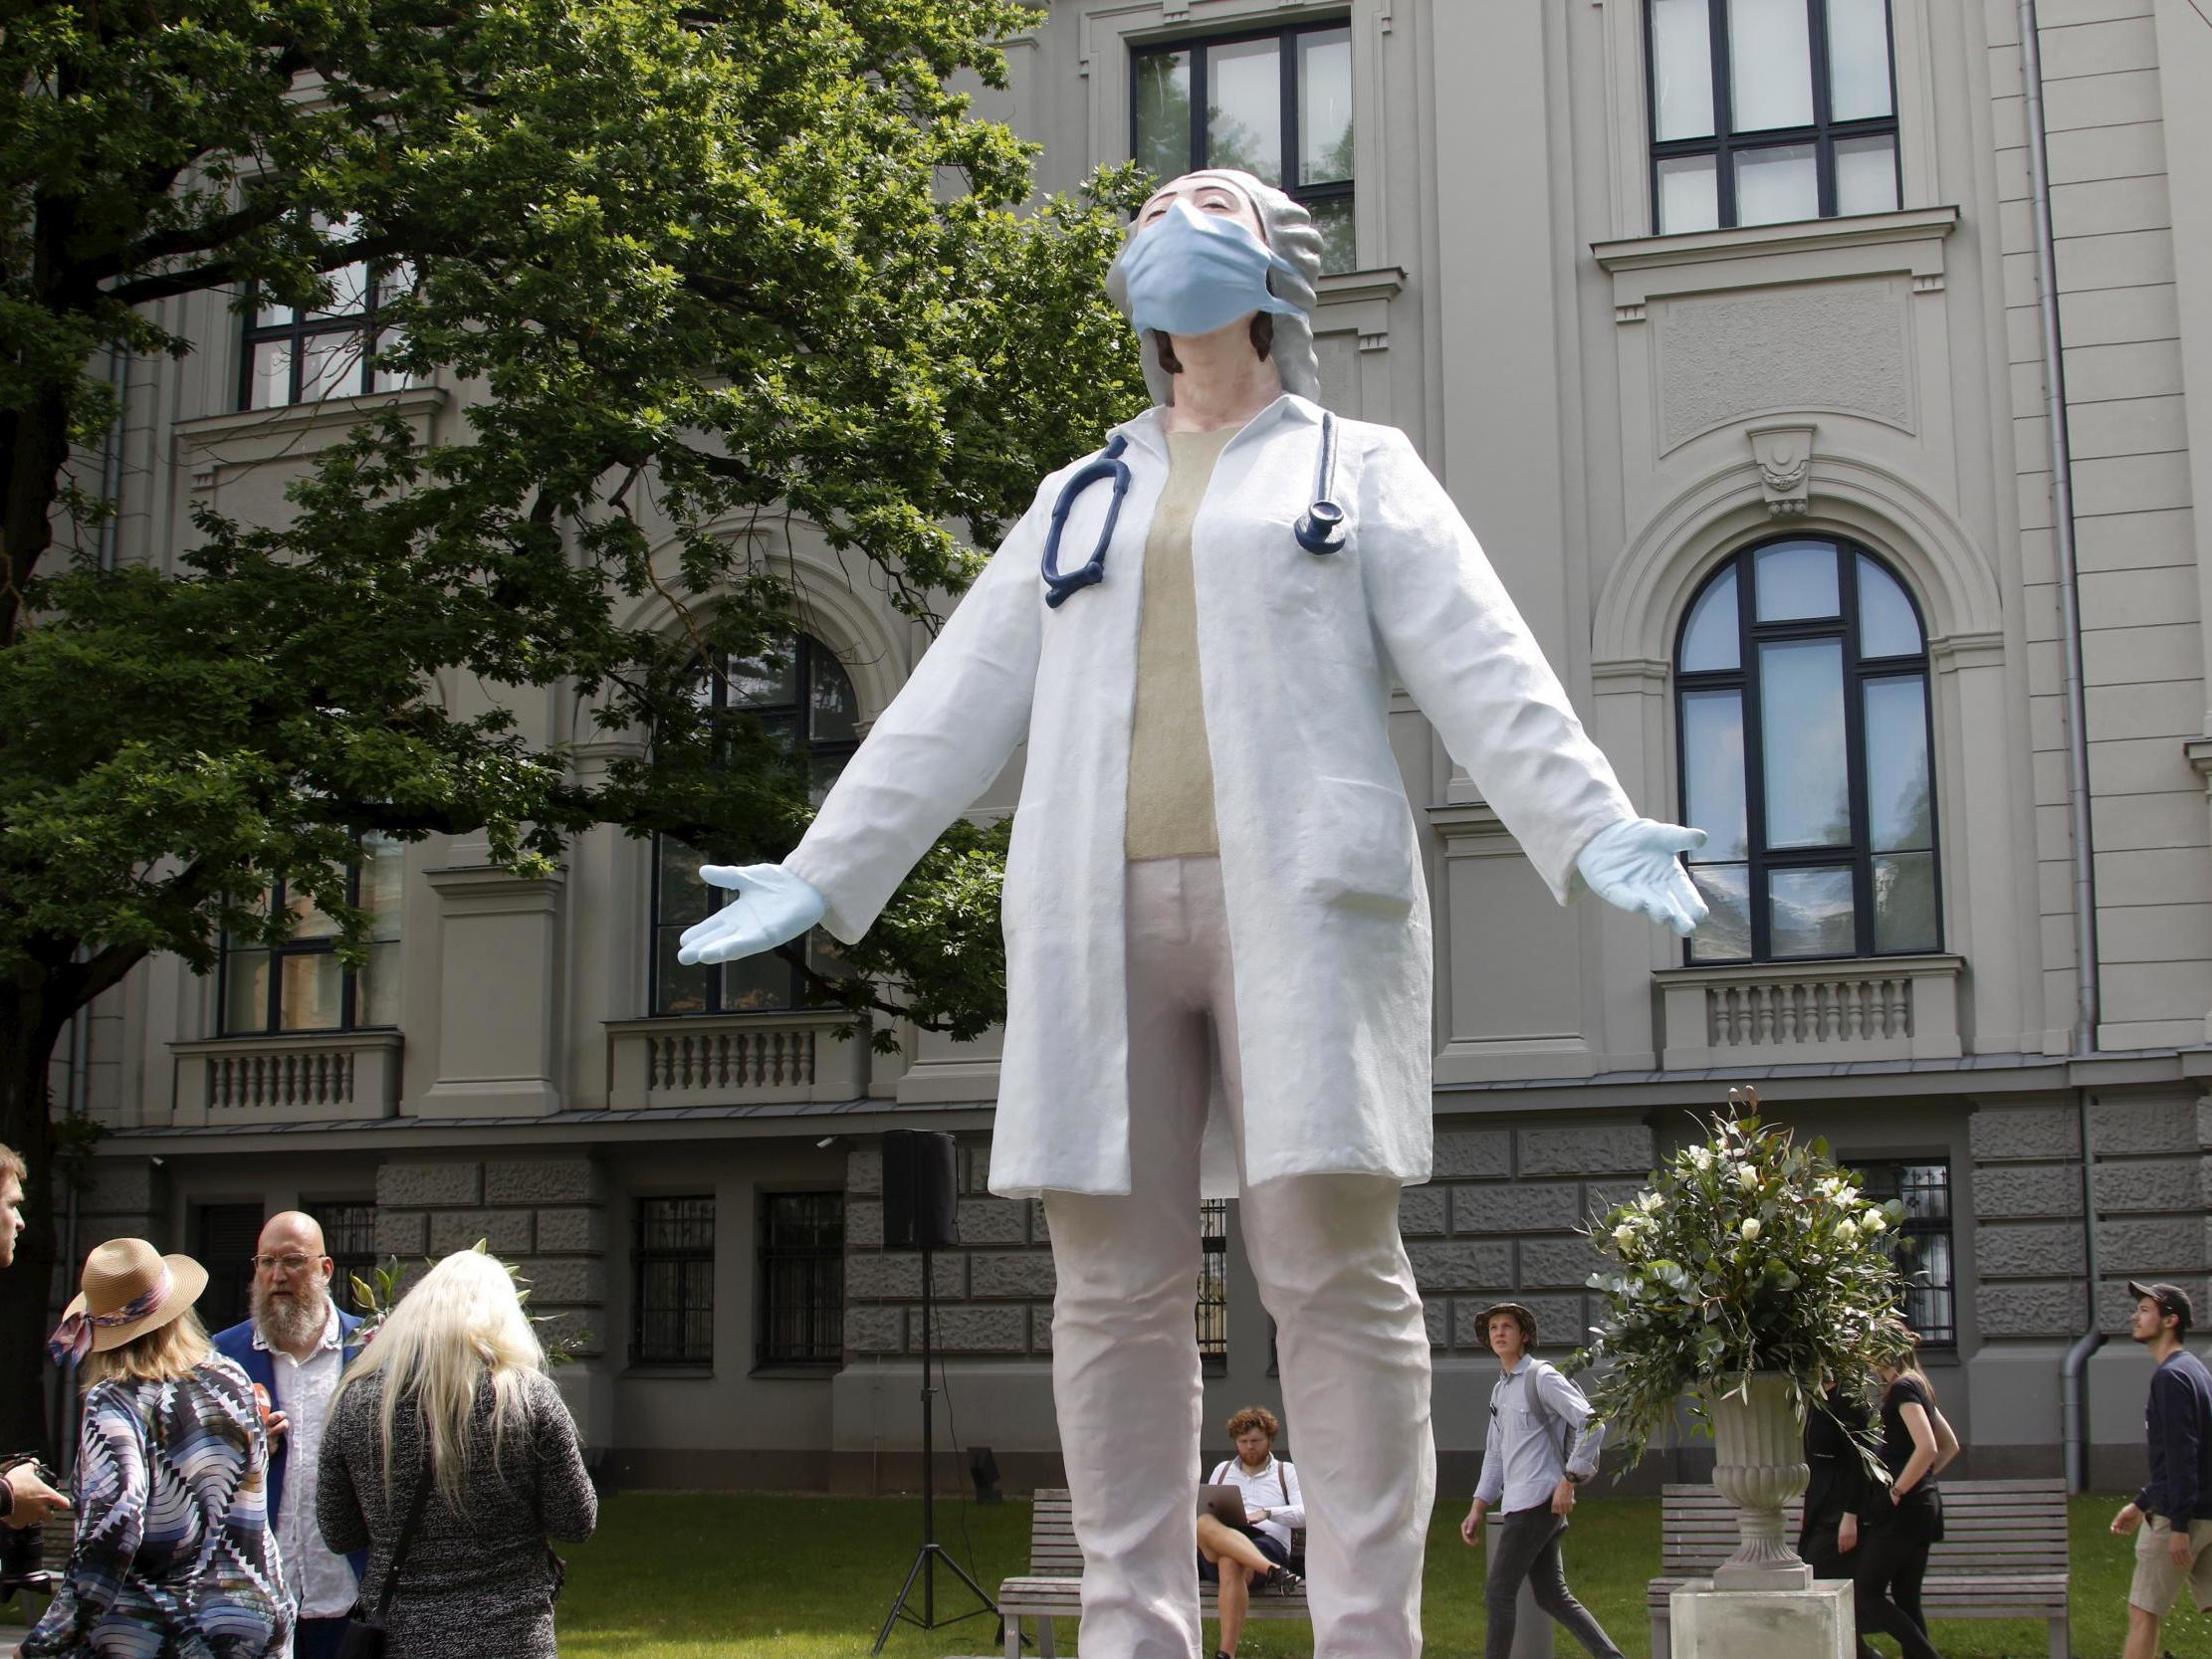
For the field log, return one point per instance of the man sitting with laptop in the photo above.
(1246, 1511)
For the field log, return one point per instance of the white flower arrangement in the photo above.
(1745, 1253)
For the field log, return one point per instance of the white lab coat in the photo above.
(1327, 911)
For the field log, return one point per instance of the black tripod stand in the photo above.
(931, 1553)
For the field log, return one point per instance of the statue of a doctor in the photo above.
(1217, 941)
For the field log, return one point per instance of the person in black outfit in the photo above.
(1899, 1523)
(1830, 1533)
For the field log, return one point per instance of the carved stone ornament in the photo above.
(1785, 457)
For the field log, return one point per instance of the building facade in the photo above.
(1725, 323)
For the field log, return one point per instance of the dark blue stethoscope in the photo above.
(1320, 529)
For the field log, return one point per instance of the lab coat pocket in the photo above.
(1356, 846)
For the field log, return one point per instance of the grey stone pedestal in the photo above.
(1810, 1624)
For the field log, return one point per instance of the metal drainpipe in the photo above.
(2073, 1393)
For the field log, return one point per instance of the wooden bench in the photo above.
(1051, 1588)
(2003, 1554)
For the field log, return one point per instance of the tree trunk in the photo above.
(26, 1290)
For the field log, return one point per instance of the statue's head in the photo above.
(1284, 332)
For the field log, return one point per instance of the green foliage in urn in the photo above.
(387, 1281)
(1748, 1252)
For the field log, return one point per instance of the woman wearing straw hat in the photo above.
(174, 1551)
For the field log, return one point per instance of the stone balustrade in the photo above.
(1783, 1013)
(736, 1060)
(288, 1078)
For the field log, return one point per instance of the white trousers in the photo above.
(1332, 1270)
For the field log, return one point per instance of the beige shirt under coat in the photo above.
(1171, 770)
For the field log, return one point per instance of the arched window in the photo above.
(798, 689)
(1801, 701)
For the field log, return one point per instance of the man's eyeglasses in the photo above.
(290, 1264)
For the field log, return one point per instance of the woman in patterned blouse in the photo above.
(174, 1551)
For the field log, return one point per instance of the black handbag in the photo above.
(363, 1636)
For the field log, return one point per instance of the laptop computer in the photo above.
(1224, 1503)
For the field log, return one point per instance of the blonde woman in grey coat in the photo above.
(452, 1390)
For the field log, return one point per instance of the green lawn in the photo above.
(689, 1576)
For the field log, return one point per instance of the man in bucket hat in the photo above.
(2176, 1547)
(25, 1499)
(1542, 1445)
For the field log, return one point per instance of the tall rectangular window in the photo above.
(300, 355)
(1922, 1244)
(802, 1279)
(1277, 104)
(672, 1283)
(229, 1236)
(350, 1238)
(301, 985)
(1769, 110)
(1212, 1308)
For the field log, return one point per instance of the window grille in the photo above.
(1922, 1244)
(1213, 1305)
(802, 1279)
(349, 1239)
(672, 1268)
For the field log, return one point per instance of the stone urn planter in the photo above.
(1759, 1467)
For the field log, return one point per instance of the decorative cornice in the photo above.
(797, 1019)
(1933, 965)
(1385, 282)
(1630, 673)
(204, 431)
(1865, 230)
(1456, 820)
(489, 890)
(288, 1042)
(1975, 650)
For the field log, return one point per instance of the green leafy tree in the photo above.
(697, 266)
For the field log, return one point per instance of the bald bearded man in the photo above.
(296, 1346)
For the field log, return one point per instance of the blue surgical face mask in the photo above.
(1192, 273)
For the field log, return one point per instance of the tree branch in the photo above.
(193, 279)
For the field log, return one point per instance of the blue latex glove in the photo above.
(772, 906)
(1637, 865)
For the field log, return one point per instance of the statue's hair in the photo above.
(1288, 231)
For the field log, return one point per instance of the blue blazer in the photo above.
(238, 1343)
